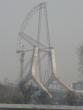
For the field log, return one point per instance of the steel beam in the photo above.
(34, 70)
(53, 61)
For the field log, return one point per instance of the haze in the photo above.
(66, 29)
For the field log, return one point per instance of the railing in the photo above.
(39, 107)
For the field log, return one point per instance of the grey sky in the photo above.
(66, 30)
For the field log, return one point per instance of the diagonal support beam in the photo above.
(34, 70)
(28, 76)
(30, 40)
(53, 61)
(53, 75)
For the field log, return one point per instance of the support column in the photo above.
(53, 61)
(34, 70)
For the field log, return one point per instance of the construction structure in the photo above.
(39, 86)
(40, 68)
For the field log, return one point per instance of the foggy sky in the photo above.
(66, 30)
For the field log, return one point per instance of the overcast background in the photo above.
(66, 30)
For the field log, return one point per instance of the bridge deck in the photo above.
(38, 107)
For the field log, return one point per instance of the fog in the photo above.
(66, 30)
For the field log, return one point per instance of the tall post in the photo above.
(22, 64)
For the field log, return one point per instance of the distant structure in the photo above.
(78, 85)
(38, 80)
(38, 83)
(41, 68)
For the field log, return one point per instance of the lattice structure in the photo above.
(37, 56)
